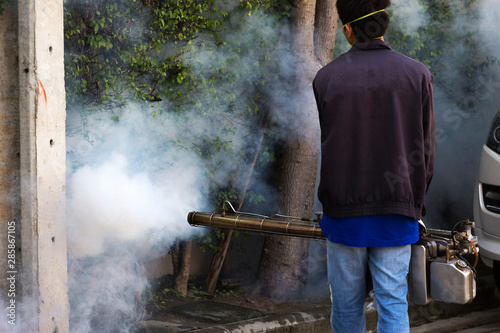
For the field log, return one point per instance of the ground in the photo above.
(167, 305)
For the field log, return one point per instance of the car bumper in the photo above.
(487, 222)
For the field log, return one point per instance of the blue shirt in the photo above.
(371, 231)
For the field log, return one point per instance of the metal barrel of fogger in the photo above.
(267, 225)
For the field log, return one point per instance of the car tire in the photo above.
(496, 273)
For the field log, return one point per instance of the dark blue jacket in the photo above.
(378, 135)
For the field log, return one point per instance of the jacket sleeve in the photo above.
(429, 127)
(317, 98)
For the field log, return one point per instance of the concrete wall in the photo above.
(237, 264)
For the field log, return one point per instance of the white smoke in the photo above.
(408, 15)
(488, 21)
(107, 293)
(109, 202)
(128, 192)
(130, 187)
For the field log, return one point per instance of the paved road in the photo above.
(487, 321)
(491, 328)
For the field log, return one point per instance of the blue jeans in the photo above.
(347, 269)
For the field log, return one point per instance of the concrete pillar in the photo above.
(42, 118)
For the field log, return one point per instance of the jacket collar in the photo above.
(372, 44)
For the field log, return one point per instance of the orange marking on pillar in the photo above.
(43, 91)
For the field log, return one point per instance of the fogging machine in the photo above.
(439, 265)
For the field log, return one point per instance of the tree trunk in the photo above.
(283, 265)
(325, 30)
(217, 262)
(283, 261)
(181, 261)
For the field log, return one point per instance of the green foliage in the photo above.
(161, 297)
(5, 3)
(440, 33)
(183, 54)
(279, 9)
(118, 49)
(447, 40)
(255, 198)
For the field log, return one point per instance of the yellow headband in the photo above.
(362, 17)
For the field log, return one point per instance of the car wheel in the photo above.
(496, 273)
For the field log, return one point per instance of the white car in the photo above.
(487, 201)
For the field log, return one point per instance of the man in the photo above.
(378, 145)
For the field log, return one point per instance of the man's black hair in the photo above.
(370, 27)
